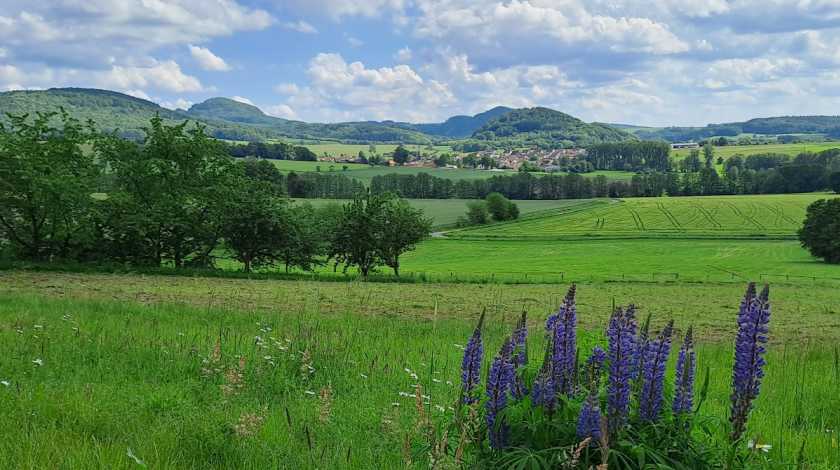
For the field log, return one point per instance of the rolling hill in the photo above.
(825, 125)
(546, 127)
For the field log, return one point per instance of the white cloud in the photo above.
(138, 94)
(281, 111)
(301, 27)
(165, 75)
(242, 100)
(3, 53)
(207, 60)
(338, 9)
(180, 103)
(403, 55)
(354, 41)
(287, 89)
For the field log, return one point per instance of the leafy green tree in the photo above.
(402, 227)
(263, 170)
(834, 182)
(709, 154)
(501, 208)
(401, 155)
(819, 232)
(355, 241)
(47, 178)
(169, 195)
(254, 225)
(302, 240)
(477, 213)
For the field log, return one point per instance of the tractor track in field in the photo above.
(708, 215)
(744, 216)
(640, 225)
(670, 216)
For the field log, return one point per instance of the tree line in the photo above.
(177, 198)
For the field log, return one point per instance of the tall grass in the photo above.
(100, 383)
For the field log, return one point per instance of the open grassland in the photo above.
(788, 149)
(335, 149)
(766, 216)
(105, 371)
(445, 212)
(297, 166)
(617, 260)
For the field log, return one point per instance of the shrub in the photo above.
(819, 233)
(501, 208)
(477, 213)
(612, 409)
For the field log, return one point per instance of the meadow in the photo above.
(105, 371)
(787, 149)
(751, 216)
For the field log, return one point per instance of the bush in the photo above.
(477, 213)
(611, 410)
(819, 233)
(501, 208)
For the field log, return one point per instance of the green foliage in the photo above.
(477, 213)
(168, 196)
(819, 233)
(834, 182)
(46, 182)
(543, 127)
(501, 208)
(376, 229)
(276, 151)
(630, 156)
(254, 225)
(401, 155)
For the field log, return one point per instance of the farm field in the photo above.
(301, 166)
(445, 212)
(111, 371)
(788, 149)
(336, 149)
(764, 216)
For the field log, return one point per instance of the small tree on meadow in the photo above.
(254, 226)
(355, 239)
(402, 227)
(477, 213)
(501, 208)
(819, 233)
(401, 155)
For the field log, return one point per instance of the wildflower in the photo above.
(752, 445)
(5, 383)
(684, 381)
(133, 457)
(499, 381)
(753, 321)
(520, 357)
(38, 362)
(363, 376)
(309, 392)
(653, 375)
(471, 364)
(248, 425)
(326, 404)
(621, 351)
(589, 420)
(562, 329)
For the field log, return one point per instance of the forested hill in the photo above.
(827, 125)
(545, 127)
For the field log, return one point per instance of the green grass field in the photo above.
(335, 149)
(788, 149)
(294, 165)
(104, 371)
(765, 216)
(445, 212)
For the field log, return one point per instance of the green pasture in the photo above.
(445, 212)
(788, 149)
(104, 371)
(756, 216)
(336, 149)
(322, 166)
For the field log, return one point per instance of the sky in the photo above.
(644, 62)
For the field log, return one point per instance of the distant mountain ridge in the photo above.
(497, 127)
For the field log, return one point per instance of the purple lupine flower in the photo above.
(563, 330)
(589, 420)
(471, 365)
(653, 375)
(542, 390)
(684, 381)
(499, 383)
(748, 370)
(621, 351)
(641, 345)
(520, 357)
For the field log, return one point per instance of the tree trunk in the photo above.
(396, 267)
(247, 264)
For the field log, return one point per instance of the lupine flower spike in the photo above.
(520, 357)
(589, 420)
(753, 321)
(542, 391)
(653, 375)
(499, 383)
(621, 335)
(684, 381)
(471, 365)
(563, 329)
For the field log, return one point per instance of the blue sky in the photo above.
(667, 62)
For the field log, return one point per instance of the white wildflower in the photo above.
(38, 362)
(5, 382)
(309, 392)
